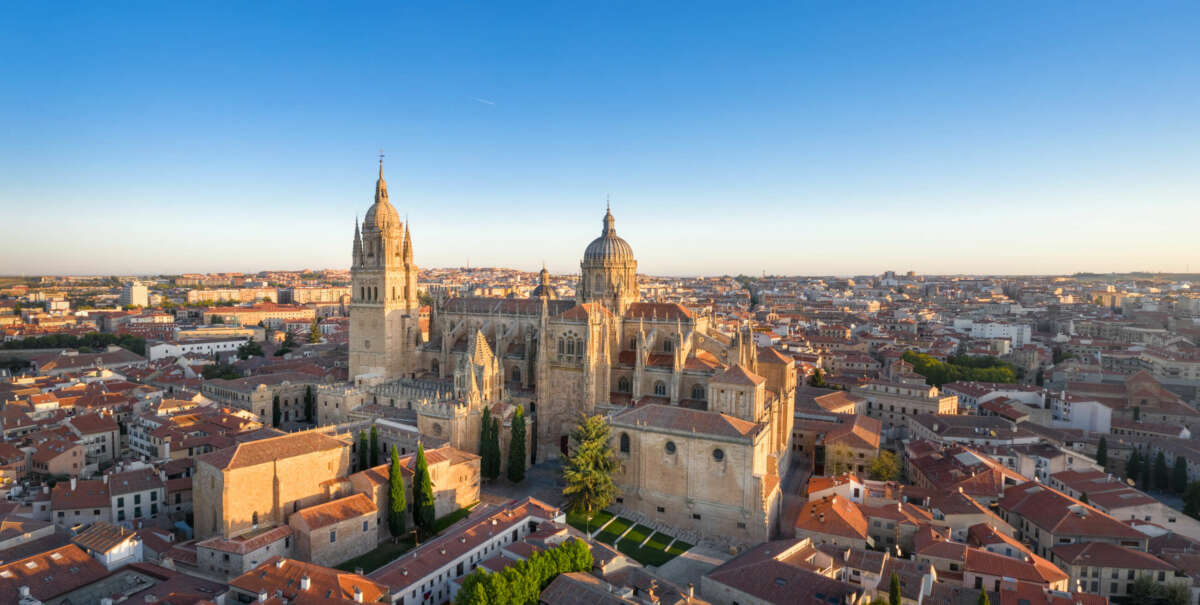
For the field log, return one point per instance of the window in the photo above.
(741, 525)
(121, 501)
(365, 523)
(670, 447)
(623, 385)
(660, 388)
(332, 536)
(660, 509)
(718, 455)
(254, 519)
(698, 392)
(624, 443)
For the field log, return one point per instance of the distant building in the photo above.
(135, 294)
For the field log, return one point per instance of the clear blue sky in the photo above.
(1038, 137)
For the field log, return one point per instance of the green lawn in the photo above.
(580, 521)
(384, 554)
(653, 553)
(614, 530)
(659, 541)
(679, 547)
(451, 518)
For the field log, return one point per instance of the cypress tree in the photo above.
(485, 451)
(374, 446)
(1102, 453)
(363, 445)
(398, 501)
(1133, 466)
(983, 598)
(1162, 476)
(493, 449)
(275, 413)
(1147, 473)
(516, 448)
(1180, 479)
(894, 590)
(310, 405)
(314, 331)
(423, 512)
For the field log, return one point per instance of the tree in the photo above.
(1137, 413)
(423, 511)
(485, 447)
(894, 590)
(1180, 475)
(216, 319)
(817, 379)
(374, 446)
(1083, 497)
(310, 404)
(314, 331)
(1162, 476)
(838, 459)
(983, 598)
(1102, 453)
(275, 413)
(588, 470)
(1133, 466)
(516, 447)
(363, 446)
(249, 349)
(398, 502)
(1191, 500)
(884, 467)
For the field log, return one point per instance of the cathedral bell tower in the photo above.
(384, 312)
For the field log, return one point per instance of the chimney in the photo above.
(106, 601)
(279, 563)
(821, 518)
(263, 595)
(691, 591)
(305, 582)
(106, 479)
(358, 571)
(24, 592)
(358, 595)
(73, 483)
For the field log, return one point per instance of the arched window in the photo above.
(623, 385)
(362, 292)
(254, 519)
(624, 443)
(579, 348)
(433, 367)
(668, 346)
(698, 391)
(660, 388)
(562, 347)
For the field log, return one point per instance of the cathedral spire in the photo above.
(381, 185)
(408, 251)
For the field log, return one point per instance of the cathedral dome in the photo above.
(381, 214)
(608, 247)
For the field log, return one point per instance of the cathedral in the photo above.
(662, 374)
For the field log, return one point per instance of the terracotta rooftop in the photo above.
(275, 448)
(680, 419)
(334, 511)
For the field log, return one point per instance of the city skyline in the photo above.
(980, 140)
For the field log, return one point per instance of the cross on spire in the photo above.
(380, 162)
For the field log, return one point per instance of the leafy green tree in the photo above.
(1179, 480)
(363, 446)
(516, 447)
(588, 470)
(423, 512)
(397, 501)
(1162, 475)
(1083, 497)
(276, 415)
(1102, 452)
(250, 348)
(216, 319)
(817, 379)
(983, 598)
(374, 446)
(884, 467)
(314, 331)
(310, 404)
(894, 595)
(493, 445)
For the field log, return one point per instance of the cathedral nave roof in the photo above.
(684, 420)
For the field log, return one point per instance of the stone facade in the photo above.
(336, 531)
(257, 484)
